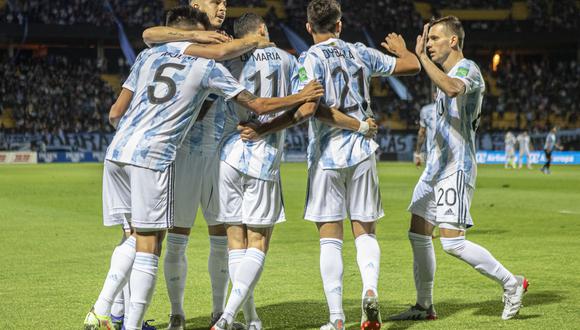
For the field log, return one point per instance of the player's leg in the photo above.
(116, 211)
(187, 199)
(422, 208)
(328, 210)
(217, 262)
(528, 160)
(175, 272)
(152, 208)
(365, 208)
(454, 243)
(520, 159)
(144, 275)
(247, 273)
(331, 270)
(121, 301)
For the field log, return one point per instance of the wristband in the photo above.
(363, 128)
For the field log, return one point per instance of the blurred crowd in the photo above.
(71, 12)
(55, 95)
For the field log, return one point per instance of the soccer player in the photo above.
(158, 104)
(426, 130)
(249, 186)
(343, 179)
(442, 196)
(549, 146)
(197, 161)
(525, 146)
(510, 150)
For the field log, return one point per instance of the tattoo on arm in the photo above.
(176, 34)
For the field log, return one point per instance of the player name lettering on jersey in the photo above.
(262, 56)
(335, 52)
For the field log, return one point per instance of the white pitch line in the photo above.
(567, 212)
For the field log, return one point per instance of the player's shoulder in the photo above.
(467, 65)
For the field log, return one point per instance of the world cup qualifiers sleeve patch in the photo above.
(302, 74)
(462, 72)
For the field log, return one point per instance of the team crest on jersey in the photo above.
(462, 72)
(302, 74)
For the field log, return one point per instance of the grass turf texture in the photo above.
(56, 253)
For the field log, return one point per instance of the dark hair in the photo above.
(323, 15)
(187, 15)
(247, 23)
(453, 25)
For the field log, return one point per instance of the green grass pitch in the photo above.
(55, 253)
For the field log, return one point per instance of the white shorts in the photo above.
(248, 200)
(334, 194)
(444, 202)
(195, 186)
(139, 195)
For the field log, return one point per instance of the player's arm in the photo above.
(421, 137)
(228, 50)
(336, 118)
(452, 87)
(331, 116)
(260, 105)
(164, 34)
(407, 62)
(120, 106)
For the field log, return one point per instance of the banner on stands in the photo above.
(23, 157)
(536, 157)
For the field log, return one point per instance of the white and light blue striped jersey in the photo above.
(510, 141)
(550, 142)
(456, 122)
(345, 71)
(524, 142)
(168, 91)
(206, 135)
(427, 120)
(268, 73)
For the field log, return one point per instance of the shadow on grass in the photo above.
(300, 315)
(494, 308)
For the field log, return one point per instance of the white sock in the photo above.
(143, 278)
(247, 275)
(127, 299)
(121, 263)
(424, 265)
(175, 269)
(249, 307)
(368, 257)
(118, 308)
(480, 259)
(217, 265)
(331, 270)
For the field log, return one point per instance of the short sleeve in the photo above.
(131, 81)
(309, 68)
(379, 63)
(469, 74)
(221, 82)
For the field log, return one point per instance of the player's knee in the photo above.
(453, 246)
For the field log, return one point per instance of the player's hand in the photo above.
(421, 47)
(312, 92)
(417, 159)
(248, 131)
(395, 44)
(373, 128)
(209, 37)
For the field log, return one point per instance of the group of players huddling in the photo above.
(192, 132)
